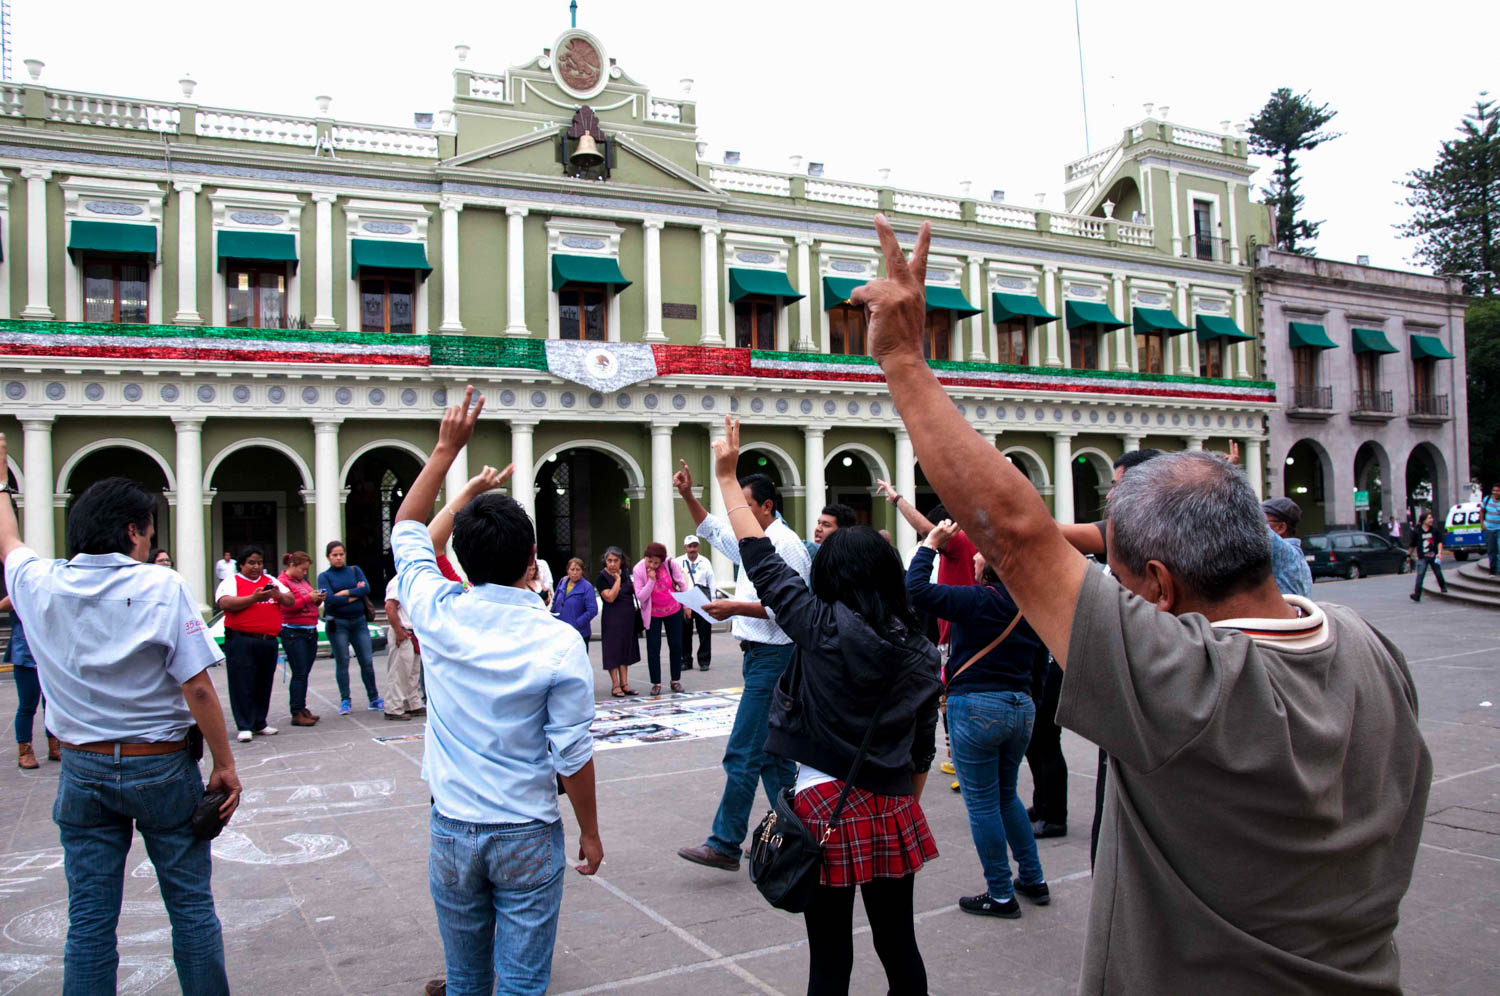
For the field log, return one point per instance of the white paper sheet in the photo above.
(694, 599)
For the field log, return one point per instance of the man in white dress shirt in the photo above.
(225, 568)
(767, 652)
(700, 574)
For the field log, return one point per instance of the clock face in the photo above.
(580, 66)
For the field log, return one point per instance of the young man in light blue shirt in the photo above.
(507, 717)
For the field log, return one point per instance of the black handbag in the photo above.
(785, 857)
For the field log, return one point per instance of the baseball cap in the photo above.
(690, 539)
(1284, 509)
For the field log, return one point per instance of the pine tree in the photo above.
(1456, 203)
(1288, 124)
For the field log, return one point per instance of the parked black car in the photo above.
(1349, 553)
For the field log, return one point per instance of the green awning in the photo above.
(836, 290)
(1372, 341)
(1212, 327)
(112, 237)
(1306, 335)
(386, 255)
(1082, 314)
(1008, 306)
(951, 299)
(587, 270)
(266, 247)
(768, 283)
(1429, 347)
(1158, 320)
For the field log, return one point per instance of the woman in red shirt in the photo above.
(251, 601)
(299, 634)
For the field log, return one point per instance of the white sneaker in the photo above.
(244, 737)
(267, 731)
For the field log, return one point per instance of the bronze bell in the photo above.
(586, 153)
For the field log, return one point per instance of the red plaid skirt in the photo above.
(877, 836)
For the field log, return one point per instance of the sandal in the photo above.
(617, 692)
(655, 689)
(626, 689)
(676, 686)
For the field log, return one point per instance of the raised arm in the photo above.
(1001, 512)
(441, 527)
(683, 480)
(915, 519)
(454, 432)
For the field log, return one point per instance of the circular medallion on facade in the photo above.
(1161, 419)
(1129, 417)
(276, 395)
(343, 395)
(440, 397)
(566, 399)
(679, 402)
(596, 400)
(1093, 416)
(999, 412)
(963, 410)
(1192, 420)
(579, 64)
(408, 397)
(376, 396)
(781, 406)
(132, 392)
(853, 408)
(829, 407)
(806, 407)
(55, 391)
(206, 393)
(1021, 413)
(93, 391)
(707, 402)
(309, 395)
(1222, 420)
(507, 397)
(981, 412)
(757, 405)
(1041, 414)
(1111, 417)
(652, 401)
(1057, 414)
(15, 390)
(241, 393)
(1236, 421)
(538, 399)
(1077, 415)
(1176, 418)
(169, 392)
(623, 399)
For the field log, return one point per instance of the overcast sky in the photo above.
(939, 91)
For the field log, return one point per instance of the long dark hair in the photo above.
(858, 569)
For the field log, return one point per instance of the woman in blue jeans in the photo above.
(990, 715)
(345, 589)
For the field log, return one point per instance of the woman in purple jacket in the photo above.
(574, 602)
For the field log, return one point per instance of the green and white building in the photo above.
(263, 314)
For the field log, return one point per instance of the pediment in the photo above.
(535, 153)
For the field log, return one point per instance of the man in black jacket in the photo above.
(1427, 547)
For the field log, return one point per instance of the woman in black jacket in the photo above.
(859, 653)
(990, 716)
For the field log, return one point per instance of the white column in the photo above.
(36, 281)
(977, 322)
(1132, 441)
(523, 481)
(37, 456)
(1195, 443)
(188, 545)
(906, 487)
(805, 343)
(323, 300)
(327, 488)
(723, 569)
(662, 518)
(1176, 231)
(515, 284)
(1253, 466)
(451, 206)
(457, 477)
(1124, 340)
(651, 229)
(812, 474)
(1053, 329)
(187, 262)
(1234, 242)
(1241, 348)
(708, 308)
(1062, 476)
(1182, 345)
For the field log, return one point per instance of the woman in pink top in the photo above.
(655, 578)
(299, 634)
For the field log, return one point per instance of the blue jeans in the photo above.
(342, 633)
(745, 759)
(989, 732)
(1423, 563)
(301, 648)
(1492, 549)
(497, 888)
(99, 796)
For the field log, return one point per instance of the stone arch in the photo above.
(16, 475)
(790, 473)
(627, 462)
(1090, 507)
(872, 460)
(1103, 463)
(395, 444)
(1372, 472)
(1033, 466)
(104, 444)
(1440, 499)
(270, 444)
(1313, 488)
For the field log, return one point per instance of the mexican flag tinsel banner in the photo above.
(601, 366)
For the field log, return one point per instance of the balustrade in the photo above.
(852, 194)
(748, 181)
(487, 87)
(109, 112)
(242, 126)
(388, 141)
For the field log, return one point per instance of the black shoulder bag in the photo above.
(785, 857)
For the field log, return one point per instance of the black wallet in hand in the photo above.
(207, 823)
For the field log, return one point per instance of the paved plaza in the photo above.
(321, 880)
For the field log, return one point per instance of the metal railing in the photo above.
(1206, 247)
(1434, 405)
(1378, 402)
(1315, 397)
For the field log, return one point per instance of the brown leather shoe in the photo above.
(304, 718)
(26, 759)
(398, 715)
(437, 987)
(54, 748)
(711, 857)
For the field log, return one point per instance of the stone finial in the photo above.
(34, 68)
(445, 119)
(1109, 209)
(1166, 111)
(1041, 198)
(1224, 126)
(702, 150)
(188, 85)
(884, 173)
(462, 52)
(323, 102)
(964, 186)
(796, 164)
(686, 83)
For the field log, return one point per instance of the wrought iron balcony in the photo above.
(1206, 247)
(1312, 398)
(1374, 403)
(1433, 406)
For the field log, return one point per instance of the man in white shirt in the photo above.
(507, 718)
(226, 568)
(123, 658)
(700, 574)
(767, 652)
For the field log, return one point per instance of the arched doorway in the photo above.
(258, 501)
(582, 509)
(1372, 469)
(849, 479)
(377, 481)
(1304, 478)
(120, 461)
(1092, 474)
(759, 458)
(1028, 463)
(1426, 475)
